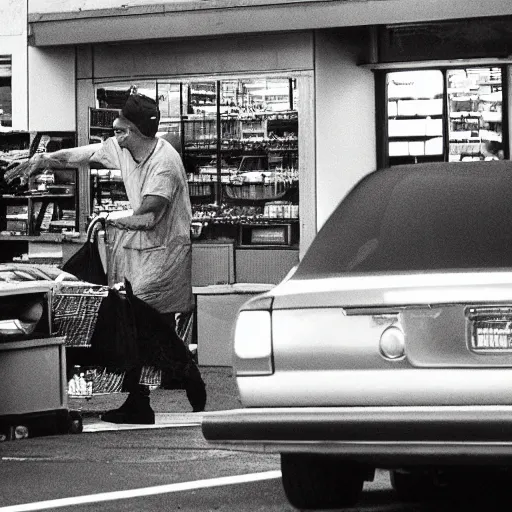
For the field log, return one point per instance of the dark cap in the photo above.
(143, 112)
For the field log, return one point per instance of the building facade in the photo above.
(333, 48)
(278, 108)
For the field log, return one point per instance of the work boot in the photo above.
(135, 409)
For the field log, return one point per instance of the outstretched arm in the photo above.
(63, 158)
(58, 159)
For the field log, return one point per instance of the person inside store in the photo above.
(493, 150)
(151, 249)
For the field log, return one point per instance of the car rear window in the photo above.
(424, 217)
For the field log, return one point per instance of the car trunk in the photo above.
(457, 343)
(449, 320)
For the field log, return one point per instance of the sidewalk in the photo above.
(171, 406)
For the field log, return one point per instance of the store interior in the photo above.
(238, 139)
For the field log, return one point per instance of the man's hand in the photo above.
(116, 223)
(25, 170)
(59, 159)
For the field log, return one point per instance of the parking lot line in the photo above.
(145, 491)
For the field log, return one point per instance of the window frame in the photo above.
(382, 136)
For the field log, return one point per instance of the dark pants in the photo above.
(193, 382)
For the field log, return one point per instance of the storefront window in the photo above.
(238, 139)
(444, 115)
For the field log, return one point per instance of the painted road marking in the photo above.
(105, 427)
(146, 491)
(163, 420)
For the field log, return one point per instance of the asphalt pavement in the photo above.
(171, 406)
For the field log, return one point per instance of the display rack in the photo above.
(475, 120)
(259, 167)
(100, 123)
(36, 212)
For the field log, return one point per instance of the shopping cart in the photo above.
(76, 311)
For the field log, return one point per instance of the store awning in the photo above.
(74, 22)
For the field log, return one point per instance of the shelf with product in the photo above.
(202, 97)
(34, 214)
(472, 130)
(49, 205)
(274, 225)
(256, 181)
(475, 112)
(258, 165)
(415, 129)
(100, 123)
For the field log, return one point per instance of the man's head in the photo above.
(139, 116)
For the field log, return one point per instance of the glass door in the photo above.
(415, 116)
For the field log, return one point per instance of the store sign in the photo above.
(454, 39)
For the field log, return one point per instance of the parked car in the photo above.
(390, 346)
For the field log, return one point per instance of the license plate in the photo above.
(491, 329)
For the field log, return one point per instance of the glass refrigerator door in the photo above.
(415, 116)
(475, 112)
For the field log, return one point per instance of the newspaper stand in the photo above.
(33, 391)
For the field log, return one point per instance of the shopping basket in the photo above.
(76, 304)
(75, 312)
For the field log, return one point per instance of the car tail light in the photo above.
(491, 328)
(253, 340)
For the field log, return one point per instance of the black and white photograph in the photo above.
(255, 255)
